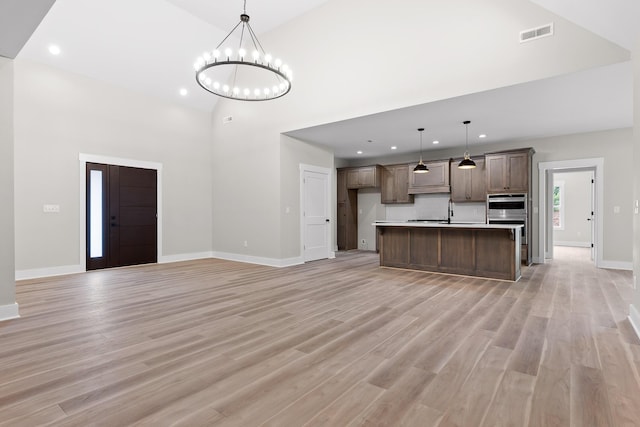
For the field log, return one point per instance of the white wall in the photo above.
(635, 307)
(576, 230)
(346, 66)
(292, 154)
(369, 210)
(7, 264)
(59, 115)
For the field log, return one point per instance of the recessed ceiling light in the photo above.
(183, 92)
(482, 136)
(436, 142)
(394, 148)
(359, 152)
(54, 49)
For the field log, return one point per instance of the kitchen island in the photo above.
(484, 250)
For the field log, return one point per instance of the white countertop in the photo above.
(445, 225)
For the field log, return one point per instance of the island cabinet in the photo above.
(395, 185)
(509, 172)
(468, 185)
(364, 177)
(435, 181)
(475, 250)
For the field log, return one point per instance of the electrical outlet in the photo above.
(616, 209)
(246, 243)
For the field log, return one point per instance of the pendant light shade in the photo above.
(466, 163)
(421, 167)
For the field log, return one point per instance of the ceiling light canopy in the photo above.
(466, 163)
(421, 167)
(247, 73)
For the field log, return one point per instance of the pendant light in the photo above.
(421, 167)
(466, 163)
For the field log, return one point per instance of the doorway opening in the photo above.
(580, 215)
(120, 212)
(573, 210)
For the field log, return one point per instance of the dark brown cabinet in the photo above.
(508, 172)
(468, 185)
(395, 185)
(347, 221)
(435, 181)
(363, 177)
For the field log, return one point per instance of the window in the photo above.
(558, 205)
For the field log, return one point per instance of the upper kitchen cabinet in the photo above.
(509, 172)
(395, 185)
(469, 185)
(434, 181)
(364, 177)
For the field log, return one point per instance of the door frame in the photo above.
(592, 227)
(545, 203)
(117, 161)
(318, 169)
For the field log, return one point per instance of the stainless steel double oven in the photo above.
(508, 209)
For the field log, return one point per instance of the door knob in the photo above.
(327, 220)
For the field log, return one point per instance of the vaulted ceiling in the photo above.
(149, 46)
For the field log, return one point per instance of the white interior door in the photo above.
(592, 218)
(315, 215)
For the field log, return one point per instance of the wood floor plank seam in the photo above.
(330, 342)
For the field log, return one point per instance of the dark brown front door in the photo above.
(121, 216)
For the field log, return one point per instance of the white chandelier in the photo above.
(236, 74)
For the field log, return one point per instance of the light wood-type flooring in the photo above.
(330, 343)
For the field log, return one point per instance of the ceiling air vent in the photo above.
(536, 33)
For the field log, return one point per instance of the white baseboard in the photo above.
(9, 311)
(48, 271)
(572, 244)
(634, 318)
(184, 257)
(271, 262)
(616, 265)
(73, 269)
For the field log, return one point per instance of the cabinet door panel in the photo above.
(402, 184)
(387, 192)
(342, 187)
(353, 178)
(478, 190)
(496, 173)
(435, 181)
(518, 172)
(367, 176)
(460, 183)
